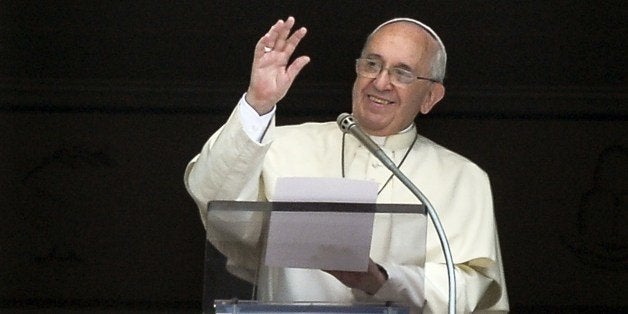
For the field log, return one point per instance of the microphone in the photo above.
(347, 124)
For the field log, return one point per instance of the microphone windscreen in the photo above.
(345, 122)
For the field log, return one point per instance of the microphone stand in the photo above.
(347, 123)
(437, 225)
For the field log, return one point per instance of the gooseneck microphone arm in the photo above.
(347, 124)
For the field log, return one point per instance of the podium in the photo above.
(256, 215)
(253, 307)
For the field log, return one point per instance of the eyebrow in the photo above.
(379, 57)
(372, 56)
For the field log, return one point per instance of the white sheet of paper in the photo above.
(321, 240)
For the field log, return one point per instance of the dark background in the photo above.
(102, 104)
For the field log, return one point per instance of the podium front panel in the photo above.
(252, 307)
(245, 223)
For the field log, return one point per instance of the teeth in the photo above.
(378, 100)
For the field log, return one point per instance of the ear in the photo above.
(437, 92)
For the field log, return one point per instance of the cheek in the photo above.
(416, 97)
(412, 104)
(356, 92)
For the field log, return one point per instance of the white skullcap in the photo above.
(413, 21)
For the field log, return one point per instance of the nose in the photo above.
(383, 80)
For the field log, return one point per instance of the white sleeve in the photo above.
(254, 125)
(229, 167)
(229, 164)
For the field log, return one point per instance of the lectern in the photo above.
(239, 214)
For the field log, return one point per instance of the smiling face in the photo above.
(382, 108)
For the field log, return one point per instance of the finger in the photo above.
(274, 33)
(294, 40)
(267, 42)
(295, 68)
(283, 32)
(263, 46)
(260, 46)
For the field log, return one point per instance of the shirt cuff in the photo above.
(254, 125)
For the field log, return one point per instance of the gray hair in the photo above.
(439, 62)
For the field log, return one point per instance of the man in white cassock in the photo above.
(400, 74)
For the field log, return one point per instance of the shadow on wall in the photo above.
(600, 239)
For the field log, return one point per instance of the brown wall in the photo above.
(102, 105)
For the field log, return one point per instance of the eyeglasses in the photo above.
(370, 68)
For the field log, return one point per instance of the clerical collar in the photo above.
(381, 140)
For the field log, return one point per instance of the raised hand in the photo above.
(271, 75)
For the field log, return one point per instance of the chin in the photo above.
(373, 119)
